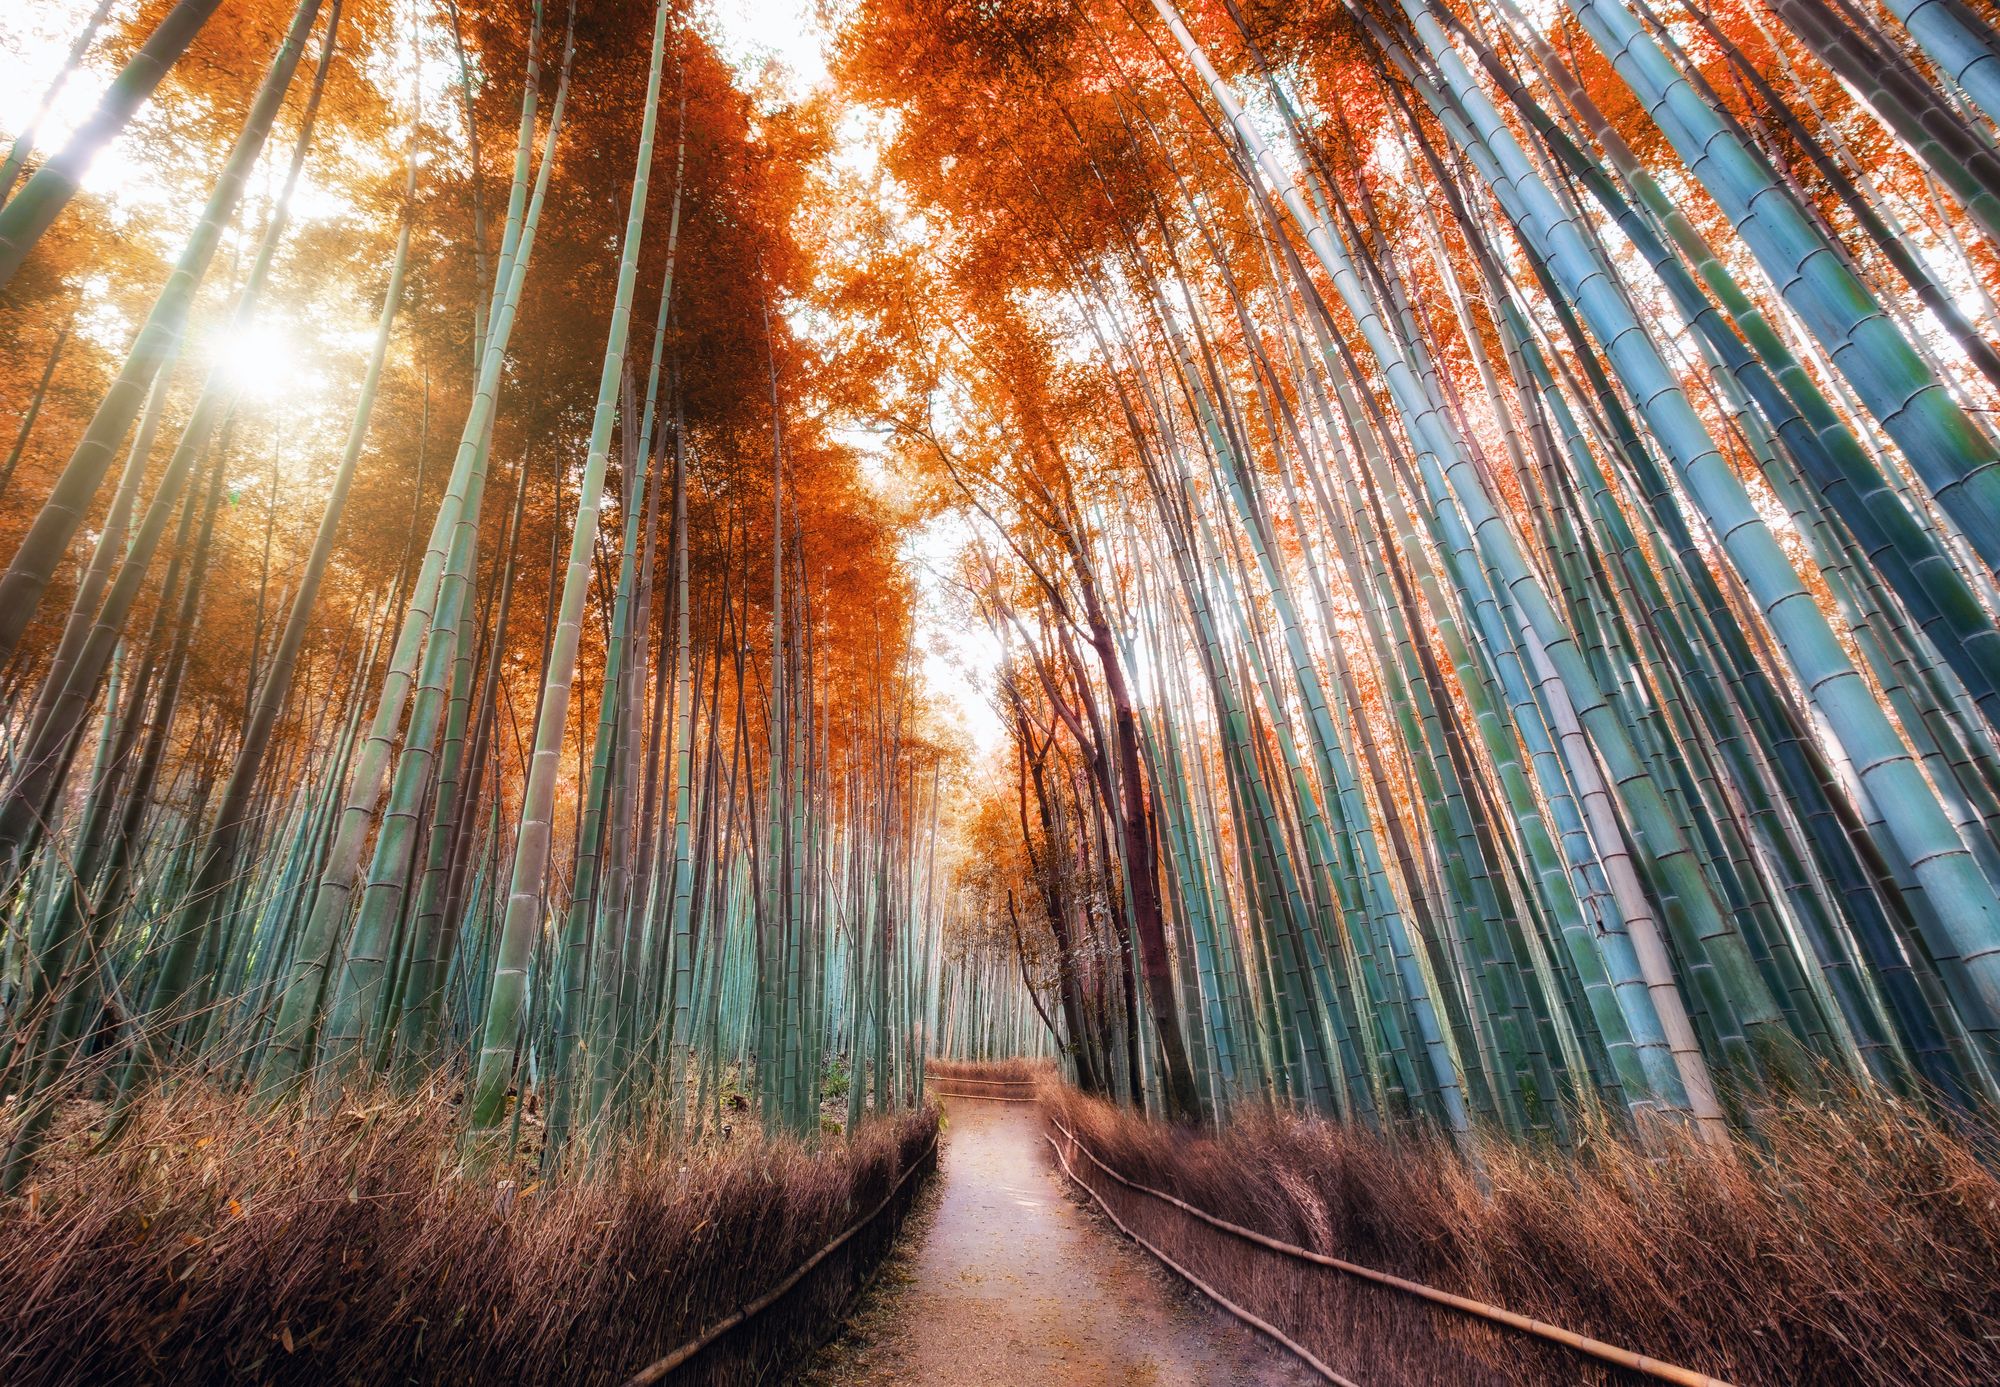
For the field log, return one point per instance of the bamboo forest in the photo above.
(1000, 691)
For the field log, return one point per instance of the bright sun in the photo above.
(260, 361)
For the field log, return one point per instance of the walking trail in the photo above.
(1001, 1278)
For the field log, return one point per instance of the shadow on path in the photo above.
(1001, 1278)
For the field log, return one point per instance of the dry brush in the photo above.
(1851, 1244)
(217, 1244)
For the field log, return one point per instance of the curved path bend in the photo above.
(1002, 1278)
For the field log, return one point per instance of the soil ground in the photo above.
(1002, 1277)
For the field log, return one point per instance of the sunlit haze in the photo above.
(958, 656)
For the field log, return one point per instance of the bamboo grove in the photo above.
(1485, 513)
(528, 712)
(1484, 517)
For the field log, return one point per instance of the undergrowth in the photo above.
(1849, 1244)
(217, 1243)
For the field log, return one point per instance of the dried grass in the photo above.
(213, 1243)
(1857, 1244)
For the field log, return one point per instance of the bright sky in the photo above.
(34, 39)
(788, 30)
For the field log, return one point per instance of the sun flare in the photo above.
(258, 361)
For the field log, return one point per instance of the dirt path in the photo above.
(1001, 1278)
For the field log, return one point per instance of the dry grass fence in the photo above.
(215, 1244)
(1857, 1244)
(1001, 1081)
(1007, 1071)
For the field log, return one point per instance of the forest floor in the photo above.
(1001, 1277)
